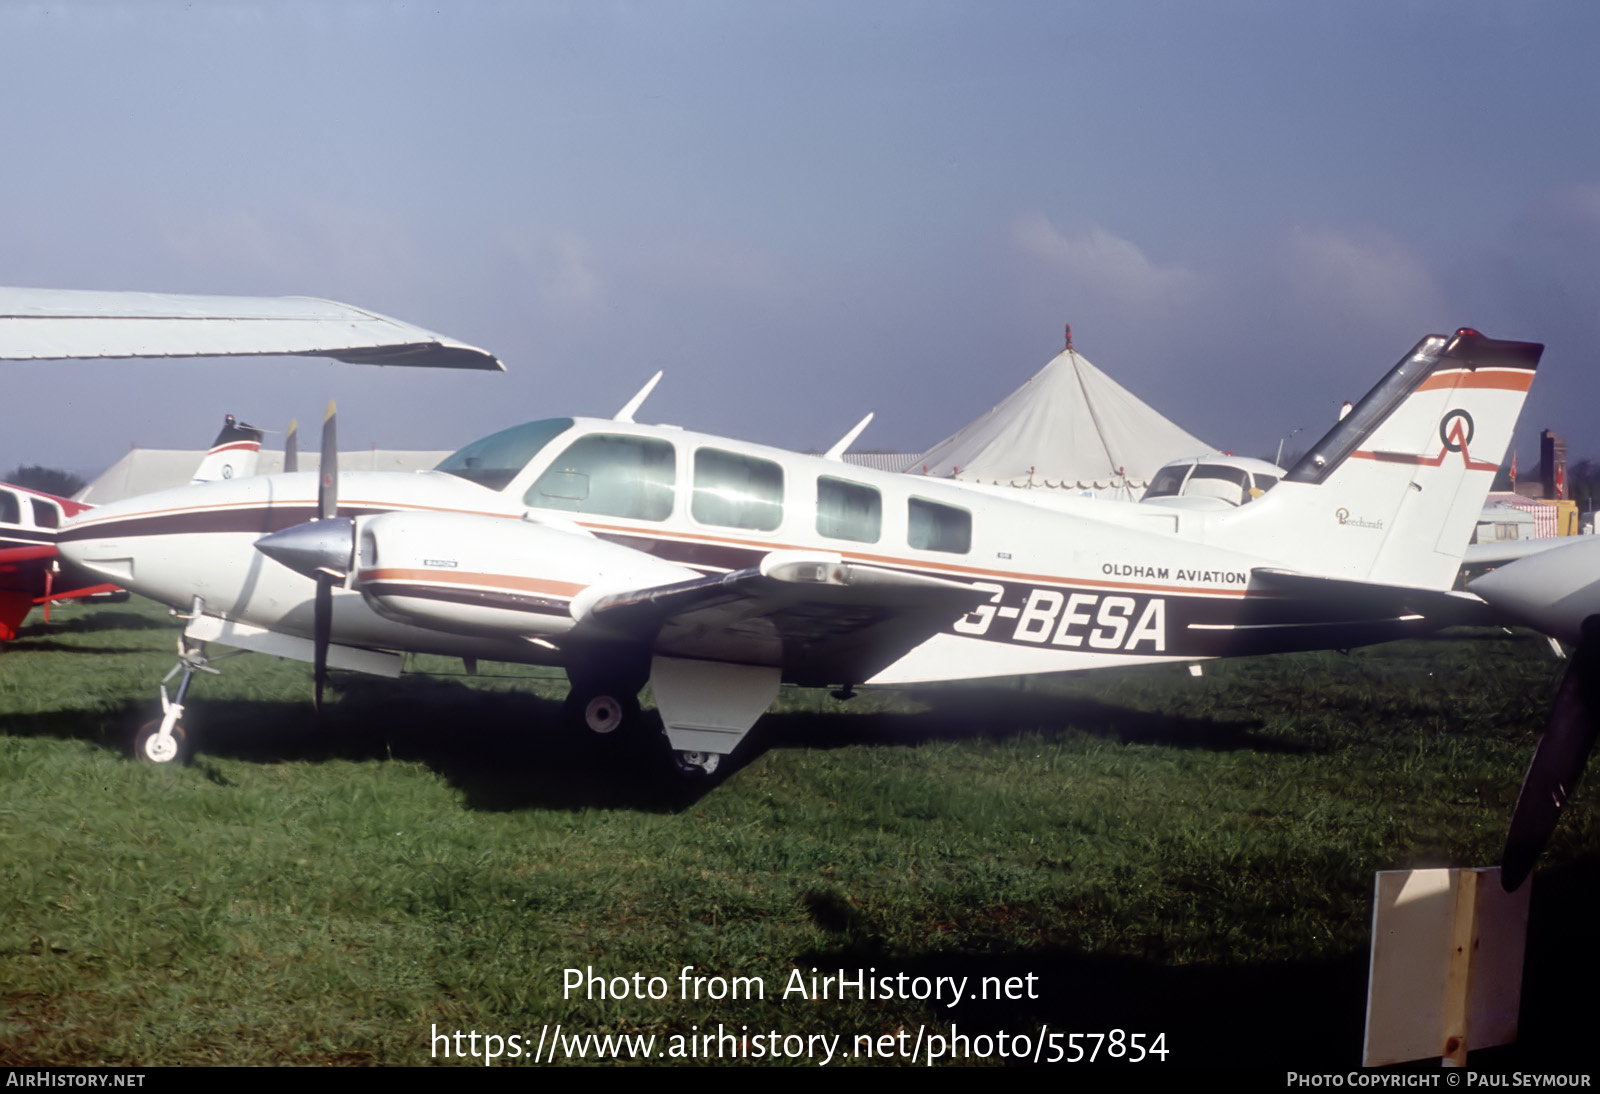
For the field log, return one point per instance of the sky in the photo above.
(802, 212)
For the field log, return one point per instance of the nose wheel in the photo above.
(152, 745)
(163, 740)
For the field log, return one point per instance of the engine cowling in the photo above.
(492, 576)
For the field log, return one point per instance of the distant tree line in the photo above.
(49, 480)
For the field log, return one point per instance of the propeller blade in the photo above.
(321, 632)
(328, 484)
(1558, 759)
(291, 447)
(327, 509)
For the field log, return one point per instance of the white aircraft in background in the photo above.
(715, 569)
(30, 566)
(235, 453)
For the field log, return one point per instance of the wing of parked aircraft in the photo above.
(816, 616)
(58, 324)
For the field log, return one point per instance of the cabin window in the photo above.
(496, 460)
(848, 510)
(10, 511)
(1264, 483)
(610, 475)
(935, 527)
(45, 514)
(737, 491)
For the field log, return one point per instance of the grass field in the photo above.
(1161, 854)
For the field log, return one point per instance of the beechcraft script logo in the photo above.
(1456, 430)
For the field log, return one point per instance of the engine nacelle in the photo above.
(492, 576)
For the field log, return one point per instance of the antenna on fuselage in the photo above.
(836, 453)
(627, 412)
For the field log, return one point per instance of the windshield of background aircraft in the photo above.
(1168, 481)
(1211, 480)
(495, 460)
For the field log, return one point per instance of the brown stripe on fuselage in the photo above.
(251, 517)
(733, 554)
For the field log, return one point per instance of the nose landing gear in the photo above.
(163, 740)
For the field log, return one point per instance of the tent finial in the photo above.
(1069, 335)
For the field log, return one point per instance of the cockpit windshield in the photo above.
(496, 460)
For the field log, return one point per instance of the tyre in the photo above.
(604, 713)
(149, 746)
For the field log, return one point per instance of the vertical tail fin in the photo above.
(233, 454)
(1392, 492)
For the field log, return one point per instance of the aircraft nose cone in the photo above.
(317, 546)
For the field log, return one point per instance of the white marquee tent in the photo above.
(1070, 426)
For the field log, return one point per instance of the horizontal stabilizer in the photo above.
(822, 620)
(63, 324)
(1377, 601)
(1501, 552)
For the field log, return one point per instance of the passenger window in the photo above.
(609, 475)
(10, 511)
(936, 527)
(737, 491)
(848, 510)
(45, 514)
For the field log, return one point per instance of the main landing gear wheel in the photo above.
(151, 747)
(608, 713)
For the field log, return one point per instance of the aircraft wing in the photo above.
(822, 620)
(1375, 600)
(1503, 552)
(57, 324)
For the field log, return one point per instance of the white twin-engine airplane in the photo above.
(715, 570)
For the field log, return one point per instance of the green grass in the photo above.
(1162, 853)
